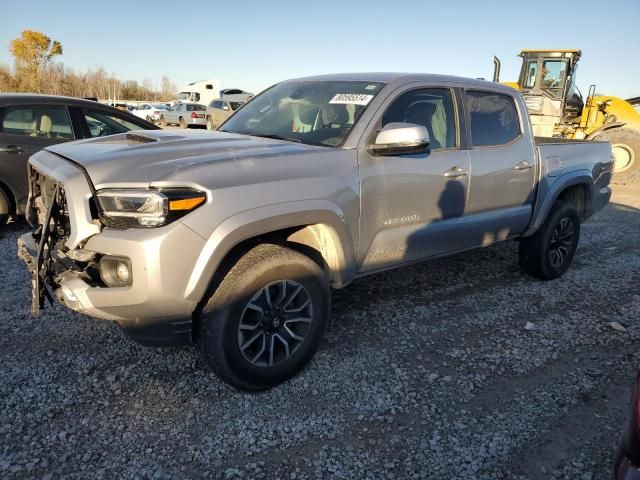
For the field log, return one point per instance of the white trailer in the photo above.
(203, 91)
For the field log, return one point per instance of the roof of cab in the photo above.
(24, 98)
(537, 50)
(399, 78)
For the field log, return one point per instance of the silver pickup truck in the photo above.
(233, 239)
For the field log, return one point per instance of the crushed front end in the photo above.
(136, 277)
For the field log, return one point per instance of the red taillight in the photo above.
(194, 115)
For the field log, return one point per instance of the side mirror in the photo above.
(399, 138)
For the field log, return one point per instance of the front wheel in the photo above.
(210, 125)
(549, 252)
(182, 123)
(163, 122)
(266, 319)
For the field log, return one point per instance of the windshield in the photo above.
(315, 113)
(552, 77)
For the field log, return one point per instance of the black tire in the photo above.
(163, 122)
(182, 123)
(223, 324)
(625, 144)
(549, 252)
(5, 207)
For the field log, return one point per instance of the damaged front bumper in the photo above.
(152, 308)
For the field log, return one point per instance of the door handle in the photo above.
(523, 165)
(456, 172)
(11, 149)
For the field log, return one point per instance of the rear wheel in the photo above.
(266, 319)
(625, 147)
(549, 252)
(163, 122)
(182, 123)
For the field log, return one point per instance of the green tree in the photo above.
(33, 52)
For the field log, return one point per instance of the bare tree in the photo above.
(35, 71)
(168, 89)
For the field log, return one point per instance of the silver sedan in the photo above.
(185, 114)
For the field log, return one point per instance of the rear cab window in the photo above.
(493, 118)
(46, 121)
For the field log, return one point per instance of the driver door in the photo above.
(413, 204)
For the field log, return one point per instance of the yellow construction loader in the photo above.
(557, 109)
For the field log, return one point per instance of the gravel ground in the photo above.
(426, 372)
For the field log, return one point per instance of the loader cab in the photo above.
(547, 82)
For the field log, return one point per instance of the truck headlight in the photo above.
(137, 208)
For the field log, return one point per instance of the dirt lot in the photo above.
(427, 372)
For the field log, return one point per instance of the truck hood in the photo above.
(146, 156)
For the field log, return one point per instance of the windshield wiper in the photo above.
(276, 137)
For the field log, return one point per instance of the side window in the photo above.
(494, 118)
(37, 121)
(429, 107)
(101, 124)
(531, 74)
(217, 104)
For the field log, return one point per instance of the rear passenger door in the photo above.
(25, 130)
(503, 168)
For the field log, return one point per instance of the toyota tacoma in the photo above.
(233, 239)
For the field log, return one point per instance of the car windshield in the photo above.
(311, 112)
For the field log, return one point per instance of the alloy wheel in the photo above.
(274, 323)
(562, 240)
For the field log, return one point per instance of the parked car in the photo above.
(236, 95)
(185, 114)
(29, 123)
(150, 112)
(232, 239)
(627, 462)
(219, 110)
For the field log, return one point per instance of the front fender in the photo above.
(263, 220)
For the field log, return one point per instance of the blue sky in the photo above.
(253, 44)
